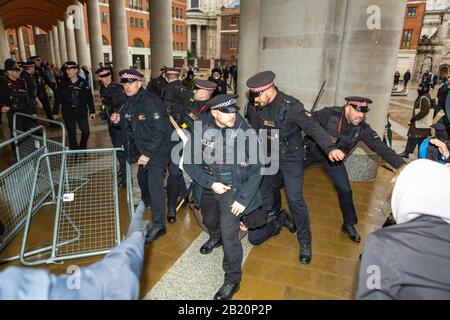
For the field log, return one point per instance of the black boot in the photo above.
(209, 246)
(171, 215)
(351, 232)
(154, 234)
(305, 253)
(2, 228)
(404, 154)
(227, 291)
(284, 219)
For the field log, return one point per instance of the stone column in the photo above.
(51, 47)
(70, 39)
(62, 42)
(80, 38)
(119, 35)
(21, 44)
(4, 45)
(368, 61)
(95, 35)
(199, 41)
(161, 37)
(56, 45)
(189, 38)
(248, 46)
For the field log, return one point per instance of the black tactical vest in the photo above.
(344, 141)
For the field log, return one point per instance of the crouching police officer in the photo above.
(147, 128)
(278, 112)
(230, 189)
(75, 97)
(112, 99)
(347, 126)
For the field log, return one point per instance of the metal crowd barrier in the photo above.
(82, 187)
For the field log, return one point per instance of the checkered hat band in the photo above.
(204, 88)
(103, 73)
(358, 103)
(130, 76)
(261, 89)
(173, 72)
(225, 104)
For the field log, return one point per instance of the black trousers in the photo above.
(412, 143)
(222, 224)
(175, 185)
(118, 139)
(72, 118)
(150, 179)
(341, 182)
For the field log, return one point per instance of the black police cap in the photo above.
(11, 65)
(71, 65)
(205, 85)
(359, 103)
(261, 81)
(225, 103)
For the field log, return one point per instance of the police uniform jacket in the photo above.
(74, 97)
(349, 135)
(112, 98)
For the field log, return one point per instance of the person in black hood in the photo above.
(216, 77)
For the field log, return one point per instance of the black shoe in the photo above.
(351, 232)
(273, 213)
(2, 229)
(305, 253)
(286, 220)
(227, 291)
(171, 215)
(404, 155)
(210, 245)
(154, 234)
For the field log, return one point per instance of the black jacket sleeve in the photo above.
(58, 98)
(311, 127)
(424, 109)
(373, 141)
(89, 98)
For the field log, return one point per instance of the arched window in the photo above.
(138, 43)
(105, 41)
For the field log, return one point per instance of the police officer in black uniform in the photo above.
(278, 111)
(147, 128)
(29, 80)
(174, 97)
(112, 99)
(157, 85)
(230, 189)
(14, 98)
(75, 97)
(197, 104)
(41, 81)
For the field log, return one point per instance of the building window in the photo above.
(11, 39)
(132, 22)
(138, 43)
(105, 41)
(412, 11)
(177, 29)
(141, 23)
(104, 17)
(233, 21)
(407, 35)
(233, 42)
(194, 4)
(176, 12)
(181, 13)
(181, 29)
(148, 24)
(140, 5)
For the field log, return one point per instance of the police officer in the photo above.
(41, 81)
(197, 104)
(14, 98)
(112, 99)
(230, 189)
(29, 80)
(147, 128)
(278, 111)
(156, 85)
(75, 97)
(174, 96)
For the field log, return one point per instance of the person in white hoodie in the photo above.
(411, 260)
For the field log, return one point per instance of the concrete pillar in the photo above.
(70, 39)
(51, 46)
(199, 41)
(62, 42)
(119, 35)
(368, 61)
(21, 44)
(95, 33)
(189, 38)
(248, 46)
(4, 46)
(80, 38)
(56, 45)
(161, 43)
